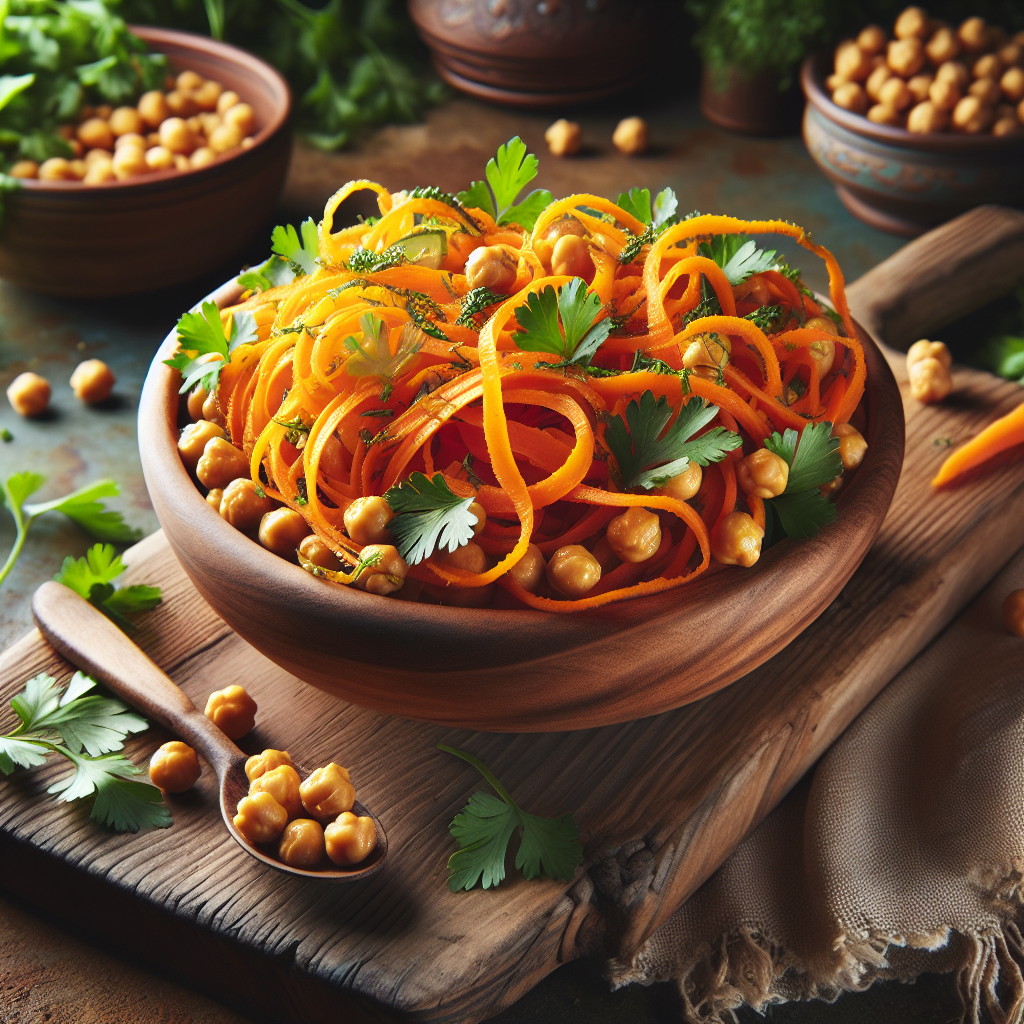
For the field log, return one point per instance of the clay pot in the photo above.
(525, 53)
(749, 105)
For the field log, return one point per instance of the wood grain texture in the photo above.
(660, 801)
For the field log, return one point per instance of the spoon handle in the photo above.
(90, 641)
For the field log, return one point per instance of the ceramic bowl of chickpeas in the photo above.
(919, 122)
(167, 187)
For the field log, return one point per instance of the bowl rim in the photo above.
(215, 48)
(812, 80)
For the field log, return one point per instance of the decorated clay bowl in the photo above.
(163, 228)
(899, 181)
(512, 670)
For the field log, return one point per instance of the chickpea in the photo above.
(944, 95)
(529, 571)
(194, 403)
(872, 39)
(544, 245)
(221, 462)
(942, 46)
(242, 116)
(973, 34)
(176, 136)
(260, 819)
(128, 162)
(563, 138)
(260, 764)
(232, 710)
(350, 839)
(387, 574)
(876, 80)
(248, 142)
(207, 94)
(314, 550)
(912, 23)
(212, 411)
(631, 136)
(209, 122)
(1011, 54)
(850, 96)
(282, 530)
(919, 86)
(24, 169)
(29, 394)
(174, 767)
(852, 445)
(852, 63)
(159, 159)
(122, 121)
(225, 138)
(468, 558)
(972, 116)
(571, 256)
(736, 540)
(241, 505)
(926, 118)
(215, 498)
(96, 134)
(707, 354)
(78, 169)
(834, 81)
(476, 509)
(189, 81)
(282, 783)
(987, 66)
(56, 169)
(763, 473)
(573, 571)
(153, 108)
(955, 72)
(1006, 126)
(366, 520)
(302, 844)
(1013, 612)
(202, 157)
(181, 104)
(492, 267)
(987, 90)
(193, 441)
(226, 100)
(930, 381)
(181, 162)
(906, 56)
(895, 94)
(328, 792)
(1012, 84)
(99, 171)
(684, 485)
(92, 381)
(635, 536)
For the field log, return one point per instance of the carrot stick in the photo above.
(1006, 432)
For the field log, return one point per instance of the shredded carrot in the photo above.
(1006, 432)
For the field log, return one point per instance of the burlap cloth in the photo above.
(902, 851)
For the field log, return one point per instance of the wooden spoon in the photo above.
(89, 640)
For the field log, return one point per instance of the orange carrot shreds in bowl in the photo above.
(575, 401)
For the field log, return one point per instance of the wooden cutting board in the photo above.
(661, 801)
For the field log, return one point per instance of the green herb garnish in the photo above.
(813, 461)
(507, 174)
(92, 577)
(580, 334)
(738, 256)
(657, 216)
(202, 334)
(428, 517)
(371, 356)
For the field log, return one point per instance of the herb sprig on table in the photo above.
(92, 577)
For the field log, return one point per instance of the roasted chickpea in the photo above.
(92, 381)
(387, 574)
(529, 571)
(194, 439)
(635, 536)
(202, 157)
(834, 81)
(544, 246)
(925, 349)
(242, 116)
(973, 34)
(350, 839)
(971, 116)
(942, 46)
(189, 81)
(221, 462)
(78, 169)
(707, 354)
(104, 110)
(476, 509)
(128, 162)
(852, 445)
(895, 94)
(131, 140)
(490, 266)
(181, 104)
(174, 767)
(912, 23)
(872, 39)
(563, 138)
(823, 352)
(99, 171)
(209, 121)
(241, 504)
(215, 498)
(1012, 84)
(1011, 54)
(260, 764)
(195, 400)
(232, 710)
(29, 394)
(852, 63)
(930, 381)
(56, 169)
(736, 540)
(763, 473)
(24, 169)
(181, 162)
(684, 485)
(987, 66)
(573, 571)
(153, 108)
(571, 256)
(260, 819)
(919, 86)
(282, 783)
(927, 117)
(955, 72)
(328, 792)
(314, 550)
(1006, 126)
(987, 90)
(282, 530)
(366, 520)
(906, 56)
(302, 844)
(226, 100)
(176, 136)
(212, 410)
(630, 136)
(1013, 612)
(876, 80)
(124, 120)
(850, 96)
(159, 159)
(944, 95)
(207, 94)
(224, 138)
(468, 558)
(96, 134)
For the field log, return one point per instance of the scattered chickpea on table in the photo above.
(928, 365)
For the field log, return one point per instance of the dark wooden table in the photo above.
(48, 973)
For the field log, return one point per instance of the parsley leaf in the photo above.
(508, 173)
(91, 577)
(645, 458)
(428, 517)
(272, 272)
(202, 334)
(302, 255)
(657, 217)
(580, 335)
(814, 461)
(738, 256)
(484, 827)
(802, 514)
(371, 356)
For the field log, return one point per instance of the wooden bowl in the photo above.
(899, 181)
(164, 228)
(522, 671)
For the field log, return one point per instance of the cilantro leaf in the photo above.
(508, 173)
(581, 334)
(201, 335)
(92, 577)
(814, 462)
(428, 517)
(484, 827)
(302, 255)
(803, 513)
(84, 507)
(645, 458)
(738, 256)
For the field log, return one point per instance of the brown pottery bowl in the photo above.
(899, 181)
(163, 228)
(505, 670)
